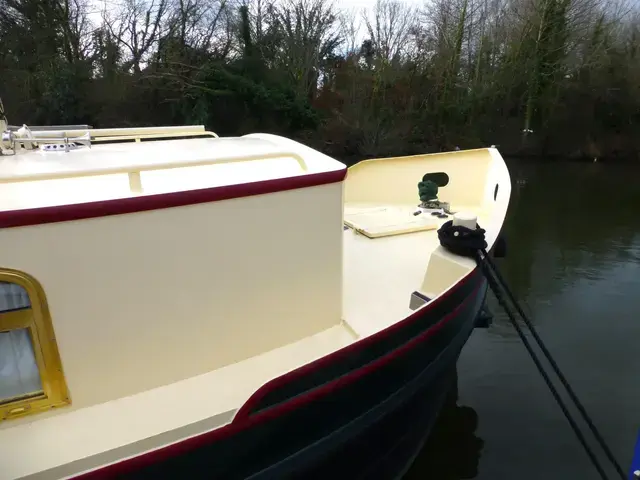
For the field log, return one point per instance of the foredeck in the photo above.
(380, 274)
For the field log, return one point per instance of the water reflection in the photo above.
(573, 234)
(453, 450)
(567, 221)
(567, 224)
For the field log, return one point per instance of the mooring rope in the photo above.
(464, 241)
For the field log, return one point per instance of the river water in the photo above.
(573, 259)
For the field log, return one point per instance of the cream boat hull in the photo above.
(299, 399)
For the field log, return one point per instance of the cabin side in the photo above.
(132, 299)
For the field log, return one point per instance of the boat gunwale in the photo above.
(403, 392)
(143, 203)
(367, 161)
(245, 419)
(246, 412)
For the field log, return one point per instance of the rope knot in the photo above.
(462, 240)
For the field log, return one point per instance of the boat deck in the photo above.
(131, 425)
(381, 273)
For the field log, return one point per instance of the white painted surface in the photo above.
(473, 175)
(167, 294)
(37, 179)
(80, 434)
(465, 219)
(381, 274)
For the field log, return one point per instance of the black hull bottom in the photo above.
(385, 449)
(361, 413)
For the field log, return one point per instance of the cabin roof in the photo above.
(116, 178)
(162, 154)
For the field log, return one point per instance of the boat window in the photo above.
(31, 377)
(19, 374)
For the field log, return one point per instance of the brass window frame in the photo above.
(37, 319)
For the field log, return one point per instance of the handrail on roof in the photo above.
(158, 136)
(127, 133)
(84, 134)
(149, 132)
(134, 171)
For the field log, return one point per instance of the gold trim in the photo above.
(15, 319)
(38, 320)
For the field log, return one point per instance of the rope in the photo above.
(471, 243)
(556, 369)
(461, 240)
(545, 376)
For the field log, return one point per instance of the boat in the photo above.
(179, 305)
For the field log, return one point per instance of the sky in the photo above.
(96, 7)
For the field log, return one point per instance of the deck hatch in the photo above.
(385, 221)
